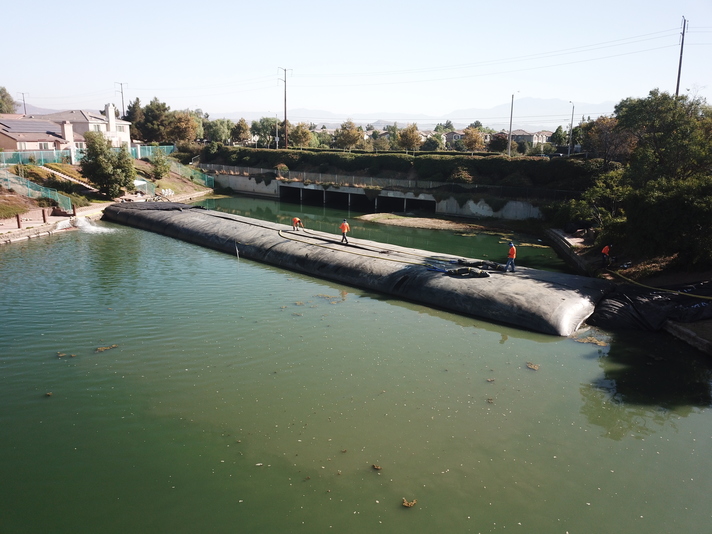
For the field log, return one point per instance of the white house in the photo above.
(114, 129)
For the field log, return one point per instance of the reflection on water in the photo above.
(257, 400)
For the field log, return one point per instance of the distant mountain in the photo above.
(530, 114)
(34, 110)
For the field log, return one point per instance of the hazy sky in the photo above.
(409, 57)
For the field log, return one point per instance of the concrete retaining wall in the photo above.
(513, 209)
(248, 185)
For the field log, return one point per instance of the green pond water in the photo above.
(245, 398)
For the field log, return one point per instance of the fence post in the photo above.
(19, 221)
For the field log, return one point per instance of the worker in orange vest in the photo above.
(296, 223)
(511, 257)
(344, 228)
(606, 256)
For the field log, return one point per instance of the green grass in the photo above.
(68, 170)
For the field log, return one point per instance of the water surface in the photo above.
(245, 398)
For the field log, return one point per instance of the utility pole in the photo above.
(571, 130)
(23, 101)
(682, 45)
(286, 128)
(509, 142)
(123, 109)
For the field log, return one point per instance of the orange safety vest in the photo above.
(344, 227)
(512, 252)
(296, 221)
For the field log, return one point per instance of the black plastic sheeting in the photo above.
(637, 308)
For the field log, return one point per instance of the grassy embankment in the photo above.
(12, 204)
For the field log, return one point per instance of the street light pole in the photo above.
(276, 132)
(509, 141)
(571, 128)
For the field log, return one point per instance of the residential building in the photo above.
(114, 129)
(18, 133)
(533, 139)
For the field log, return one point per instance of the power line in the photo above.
(511, 71)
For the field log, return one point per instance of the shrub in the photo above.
(461, 176)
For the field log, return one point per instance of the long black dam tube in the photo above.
(551, 303)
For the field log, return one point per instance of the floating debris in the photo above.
(592, 340)
(532, 366)
(490, 400)
(61, 354)
(409, 504)
(48, 394)
(377, 467)
(490, 380)
(102, 349)
(344, 450)
(299, 303)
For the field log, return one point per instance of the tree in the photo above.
(381, 143)
(393, 134)
(607, 141)
(283, 132)
(670, 173)
(498, 142)
(161, 166)
(607, 195)
(473, 139)
(324, 139)
(477, 125)
(7, 103)
(410, 138)
(300, 135)
(433, 143)
(108, 170)
(134, 114)
(265, 129)
(182, 126)
(241, 132)
(445, 128)
(673, 136)
(348, 135)
(154, 126)
(218, 130)
(559, 138)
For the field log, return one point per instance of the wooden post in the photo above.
(44, 215)
(19, 221)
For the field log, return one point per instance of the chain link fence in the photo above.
(29, 189)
